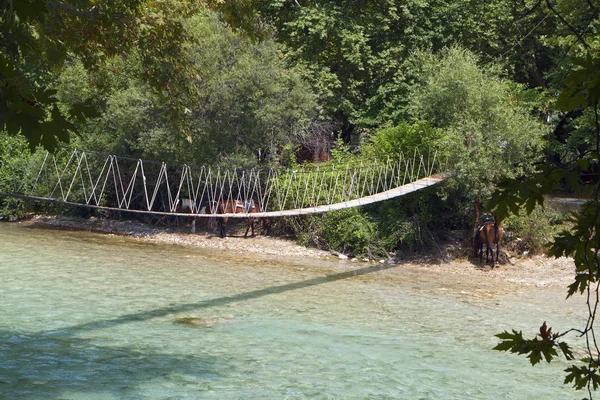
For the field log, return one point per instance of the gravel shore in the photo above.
(524, 271)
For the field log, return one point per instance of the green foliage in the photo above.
(11, 209)
(487, 134)
(249, 101)
(582, 85)
(13, 156)
(358, 55)
(581, 240)
(580, 243)
(584, 375)
(403, 226)
(39, 36)
(534, 230)
(350, 231)
(247, 105)
(402, 139)
(547, 346)
(407, 224)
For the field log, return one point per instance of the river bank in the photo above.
(529, 271)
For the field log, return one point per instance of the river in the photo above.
(90, 316)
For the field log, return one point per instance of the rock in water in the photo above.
(200, 322)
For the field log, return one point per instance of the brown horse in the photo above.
(237, 207)
(490, 234)
(187, 206)
(210, 207)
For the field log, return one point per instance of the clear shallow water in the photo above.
(86, 316)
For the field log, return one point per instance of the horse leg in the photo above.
(477, 245)
(498, 251)
(481, 252)
(482, 240)
(248, 228)
(492, 253)
(223, 224)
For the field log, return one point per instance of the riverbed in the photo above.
(94, 316)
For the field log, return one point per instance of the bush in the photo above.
(350, 232)
(532, 232)
(346, 231)
(403, 138)
(12, 209)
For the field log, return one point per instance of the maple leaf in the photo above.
(545, 332)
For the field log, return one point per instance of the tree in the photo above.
(244, 105)
(37, 37)
(358, 55)
(487, 132)
(583, 90)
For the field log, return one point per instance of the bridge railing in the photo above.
(330, 184)
(99, 180)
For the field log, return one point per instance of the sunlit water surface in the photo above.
(87, 316)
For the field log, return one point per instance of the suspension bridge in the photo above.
(89, 179)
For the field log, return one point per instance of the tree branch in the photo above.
(564, 21)
(58, 5)
(591, 5)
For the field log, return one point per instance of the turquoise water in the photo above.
(88, 316)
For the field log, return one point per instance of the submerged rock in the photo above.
(201, 322)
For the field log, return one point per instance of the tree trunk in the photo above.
(476, 213)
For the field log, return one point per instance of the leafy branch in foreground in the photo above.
(582, 242)
(545, 345)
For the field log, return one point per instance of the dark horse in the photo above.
(490, 234)
(237, 207)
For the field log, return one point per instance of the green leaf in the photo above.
(535, 356)
(578, 376)
(582, 85)
(566, 350)
(580, 284)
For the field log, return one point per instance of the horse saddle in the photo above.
(485, 222)
(247, 205)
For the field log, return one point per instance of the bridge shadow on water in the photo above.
(58, 363)
(254, 294)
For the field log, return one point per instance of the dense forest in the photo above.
(505, 90)
(281, 83)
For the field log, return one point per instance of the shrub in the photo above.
(403, 138)
(12, 209)
(532, 232)
(346, 231)
(350, 232)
